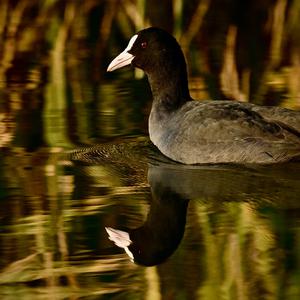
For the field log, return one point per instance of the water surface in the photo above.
(214, 231)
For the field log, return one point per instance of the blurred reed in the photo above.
(27, 26)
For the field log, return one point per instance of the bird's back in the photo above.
(224, 132)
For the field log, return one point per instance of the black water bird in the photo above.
(195, 132)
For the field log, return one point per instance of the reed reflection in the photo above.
(241, 233)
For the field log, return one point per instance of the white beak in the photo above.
(124, 58)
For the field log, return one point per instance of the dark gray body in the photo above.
(226, 132)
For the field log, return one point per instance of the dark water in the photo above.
(75, 159)
(209, 232)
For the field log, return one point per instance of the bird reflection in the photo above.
(154, 241)
(173, 186)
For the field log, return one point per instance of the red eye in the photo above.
(144, 45)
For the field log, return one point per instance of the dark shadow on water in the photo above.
(160, 235)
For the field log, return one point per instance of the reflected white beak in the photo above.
(124, 58)
(119, 237)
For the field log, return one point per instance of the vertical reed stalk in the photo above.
(56, 101)
(10, 43)
(277, 33)
(229, 76)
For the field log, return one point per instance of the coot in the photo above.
(195, 132)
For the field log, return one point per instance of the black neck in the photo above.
(169, 86)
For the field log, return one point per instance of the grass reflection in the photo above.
(53, 242)
(40, 252)
(246, 255)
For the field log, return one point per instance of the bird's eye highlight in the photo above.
(144, 45)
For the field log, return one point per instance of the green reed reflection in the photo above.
(43, 215)
(238, 243)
